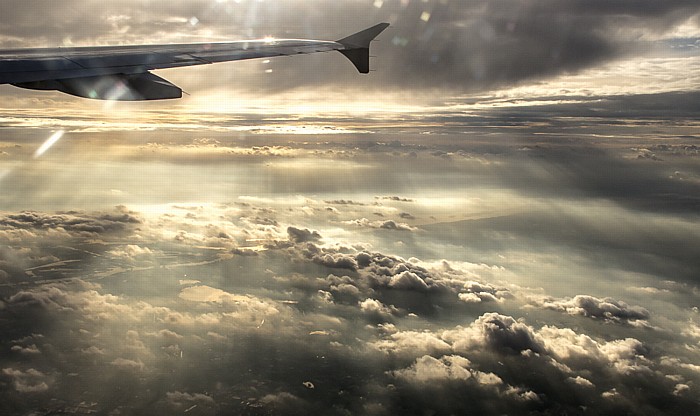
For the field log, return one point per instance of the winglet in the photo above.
(357, 46)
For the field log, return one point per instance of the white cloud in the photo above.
(427, 369)
(477, 292)
(29, 381)
(386, 225)
(126, 364)
(431, 372)
(29, 349)
(412, 344)
(580, 381)
(607, 309)
(130, 251)
(178, 398)
(408, 281)
(373, 306)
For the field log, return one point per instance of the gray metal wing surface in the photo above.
(123, 72)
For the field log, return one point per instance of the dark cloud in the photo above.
(344, 202)
(447, 44)
(395, 198)
(506, 334)
(298, 235)
(659, 247)
(71, 221)
(29, 381)
(607, 309)
(385, 225)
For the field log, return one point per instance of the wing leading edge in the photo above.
(122, 72)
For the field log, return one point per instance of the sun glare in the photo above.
(48, 143)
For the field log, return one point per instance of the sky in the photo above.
(501, 218)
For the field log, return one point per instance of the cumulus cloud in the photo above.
(476, 292)
(126, 364)
(427, 369)
(575, 359)
(368, 273)
(412, 343)
(580, 381)
(73, 222)
(408, 280)
(298, 235)
(27, 381)
(385, 225)
(375, 308)
(500, 332)
(429, 375)
(180, 399)
(129, 251)
(29, 349)
(608, 309)
(403, 327)
(395, 198)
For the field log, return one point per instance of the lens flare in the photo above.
(48, 143)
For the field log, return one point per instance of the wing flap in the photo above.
(146, 59)
(120, 87)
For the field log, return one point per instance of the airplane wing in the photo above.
(122, 72)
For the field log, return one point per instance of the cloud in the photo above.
(345, 202)
(412, 344)
(297, 235)
(503, 333)
(434, 44)
(377, 309)
(482, 292)
(369, 272)
(29, 349)
(385, 225)
(130, 251)
(559, 362)
(126, 364)
(431, 372)
(182, 399)
(608, 309)
(28, 381)
(408, 280)
(582, 382)
(246, 332)
(395, 198)
(427, 369)
(73, 222)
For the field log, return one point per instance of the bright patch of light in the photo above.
(297, 129)
(48, 143)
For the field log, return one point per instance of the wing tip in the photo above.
(357, 46)
(363, 38)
